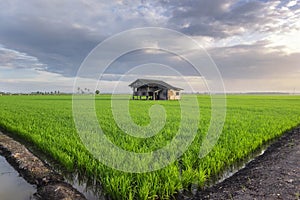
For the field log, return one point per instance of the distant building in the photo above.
(154, 90)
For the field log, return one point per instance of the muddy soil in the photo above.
(50, 185)
(273, 175)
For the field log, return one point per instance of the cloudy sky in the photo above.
(254, 43)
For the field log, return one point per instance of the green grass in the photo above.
(47, 123)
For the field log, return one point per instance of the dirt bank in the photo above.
(273, 175)
(50, 185)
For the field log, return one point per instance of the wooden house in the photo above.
(154, 90)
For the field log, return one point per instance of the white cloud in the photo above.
(10, 58)
(291, 3)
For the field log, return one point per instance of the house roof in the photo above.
(150, 82)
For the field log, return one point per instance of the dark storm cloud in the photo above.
(57, 44)
(146, 56)
(60, 34)
(197, 17)
(225, 18)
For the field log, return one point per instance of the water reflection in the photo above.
(12, 186)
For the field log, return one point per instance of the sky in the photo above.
(254, 43)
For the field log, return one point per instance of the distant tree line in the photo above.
(46, 93)
(56, 92)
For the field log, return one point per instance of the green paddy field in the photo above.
(46, 122)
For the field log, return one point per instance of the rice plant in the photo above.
(46, 122)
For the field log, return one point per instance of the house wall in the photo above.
(172, 95)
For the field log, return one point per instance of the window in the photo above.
(177, 93)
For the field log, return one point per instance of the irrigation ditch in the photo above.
(275, 174)
(12, 186)
(49, 184)
(270, 172)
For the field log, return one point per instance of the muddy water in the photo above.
(90, 189)
(12, 186)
